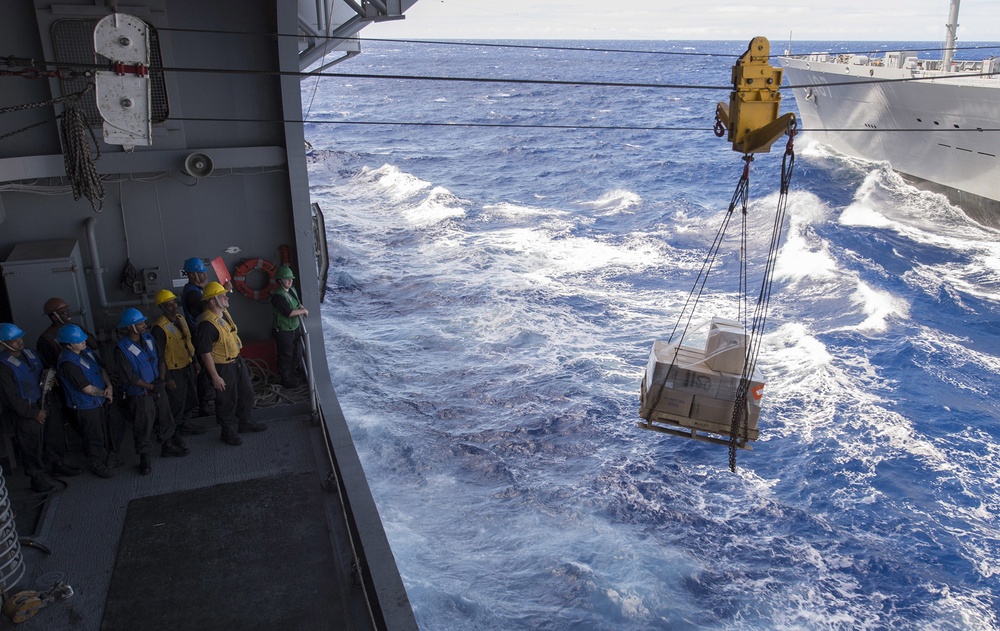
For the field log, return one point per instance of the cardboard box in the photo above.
(726, 348)
(725, 322)
(720, 411)
(730, 383)
(669, 402)
(681, 369)
(684, 370)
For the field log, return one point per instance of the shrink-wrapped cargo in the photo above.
(726, 347)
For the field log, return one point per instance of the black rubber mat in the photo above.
(247, 555)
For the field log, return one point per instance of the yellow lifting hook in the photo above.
(752, 114)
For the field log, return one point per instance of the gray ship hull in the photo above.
(933, 127)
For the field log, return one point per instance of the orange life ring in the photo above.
(255, 265)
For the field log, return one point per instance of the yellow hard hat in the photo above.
(164, 295)
(212, 290)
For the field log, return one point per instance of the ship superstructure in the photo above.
(281, 532)
(935, 121)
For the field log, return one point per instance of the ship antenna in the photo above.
(950, 35)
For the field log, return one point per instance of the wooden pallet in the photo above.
(704, 431)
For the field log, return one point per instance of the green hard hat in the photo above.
(284, 272)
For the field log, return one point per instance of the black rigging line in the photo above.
(483, 44)
(496, 44)
(350, 75)
(520, 81)
(541, 126)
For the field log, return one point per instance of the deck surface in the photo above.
(228, 537)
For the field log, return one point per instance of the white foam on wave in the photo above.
(419, 203)
(977, 275)
(813, 272)
(833, 390)
(613, 202)
(956, 357)
(393, 182)
(836, 405)
(510, 210)
(879, 308)
(801, 257)
(860, 214)
(549, 255)
(886, 202)
(439, 205)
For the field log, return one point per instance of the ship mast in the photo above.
(949, 38)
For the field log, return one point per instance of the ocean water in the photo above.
(494, 295)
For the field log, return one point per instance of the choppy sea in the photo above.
(494, 294)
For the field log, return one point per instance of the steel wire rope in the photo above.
(542, 126)
(740, 425)
(326, 51)
(525, 81)
(496, 44)
(698, 288)
(438, 42)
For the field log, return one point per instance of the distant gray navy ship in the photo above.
(934, 121)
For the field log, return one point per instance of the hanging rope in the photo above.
(739, 426)
(738, 433)
(80, 168)
(691, 303)
(27, 106)
(740, 197)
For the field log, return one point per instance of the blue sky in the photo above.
(888, 20)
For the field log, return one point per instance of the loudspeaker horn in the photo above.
(198, 165)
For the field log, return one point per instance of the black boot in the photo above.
(42, 484)
(190, 429)
(251, 426)
(101, 470)
(144, 466)
(171, 448)
(61, 468)
(230, 437)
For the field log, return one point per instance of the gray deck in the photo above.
(83, 525)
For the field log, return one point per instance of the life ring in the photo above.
(255, 265)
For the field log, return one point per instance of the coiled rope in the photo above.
(267, 393)
(80, 169)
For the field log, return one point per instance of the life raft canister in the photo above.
(255, 265)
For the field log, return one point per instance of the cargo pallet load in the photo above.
(713, 394)
(693, 392)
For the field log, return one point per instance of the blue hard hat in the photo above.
(130, 317)
(194, 264)
(70, 334)
(9, 332)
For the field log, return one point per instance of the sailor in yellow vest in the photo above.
(217, 342)
(175, 344)
(286, 308)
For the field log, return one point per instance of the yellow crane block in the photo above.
(751, 117)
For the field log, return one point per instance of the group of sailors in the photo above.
(151, 382)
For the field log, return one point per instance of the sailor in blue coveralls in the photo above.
(88, 391)
(141, 371)
(27, 401)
